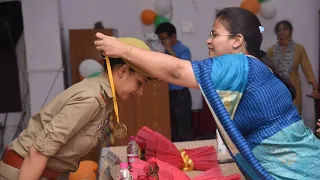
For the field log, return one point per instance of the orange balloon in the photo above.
(251, 5)
(148, 16)
(87, 170)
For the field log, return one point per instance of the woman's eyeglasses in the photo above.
(213, 35)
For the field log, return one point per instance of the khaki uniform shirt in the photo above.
(70, 126)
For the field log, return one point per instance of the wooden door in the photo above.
(151, 109)
(82, 47)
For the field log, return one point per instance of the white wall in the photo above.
(124, 16)
(43, 50)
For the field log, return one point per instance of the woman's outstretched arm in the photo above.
(159, 65)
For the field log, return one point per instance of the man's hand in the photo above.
(167, 44)
(315, 94)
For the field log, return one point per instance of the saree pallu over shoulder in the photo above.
(222, 81)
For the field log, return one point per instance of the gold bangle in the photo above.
(130, 48)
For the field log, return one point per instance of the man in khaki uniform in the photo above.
(71, 125)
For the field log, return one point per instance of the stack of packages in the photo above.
(108, 159)
(164, 161)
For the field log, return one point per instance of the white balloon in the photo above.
(268, 9)
(162, 7)
(89, 66)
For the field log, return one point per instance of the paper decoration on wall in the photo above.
(88, 67)
(148, 16)
(251, 5)
(268, 9)
(161, 10)
(94, 74)
(159, 20)
(162, 7)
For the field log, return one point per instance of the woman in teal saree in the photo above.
(250, 99)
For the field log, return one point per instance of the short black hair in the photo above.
(285, 23)
(167, 28)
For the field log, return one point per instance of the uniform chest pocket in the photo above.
(94, 131)
(86, 140)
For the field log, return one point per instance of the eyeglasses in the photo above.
(214, 35)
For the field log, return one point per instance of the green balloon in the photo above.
(94, 74)
(159, 20)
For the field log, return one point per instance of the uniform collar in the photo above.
(105, 84)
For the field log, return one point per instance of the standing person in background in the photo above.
(180, 97)
(288, 56)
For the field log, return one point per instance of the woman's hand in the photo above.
(110, 46)
(315, 94)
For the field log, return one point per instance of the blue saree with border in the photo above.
(257, 119)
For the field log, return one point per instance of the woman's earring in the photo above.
(235, 46)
